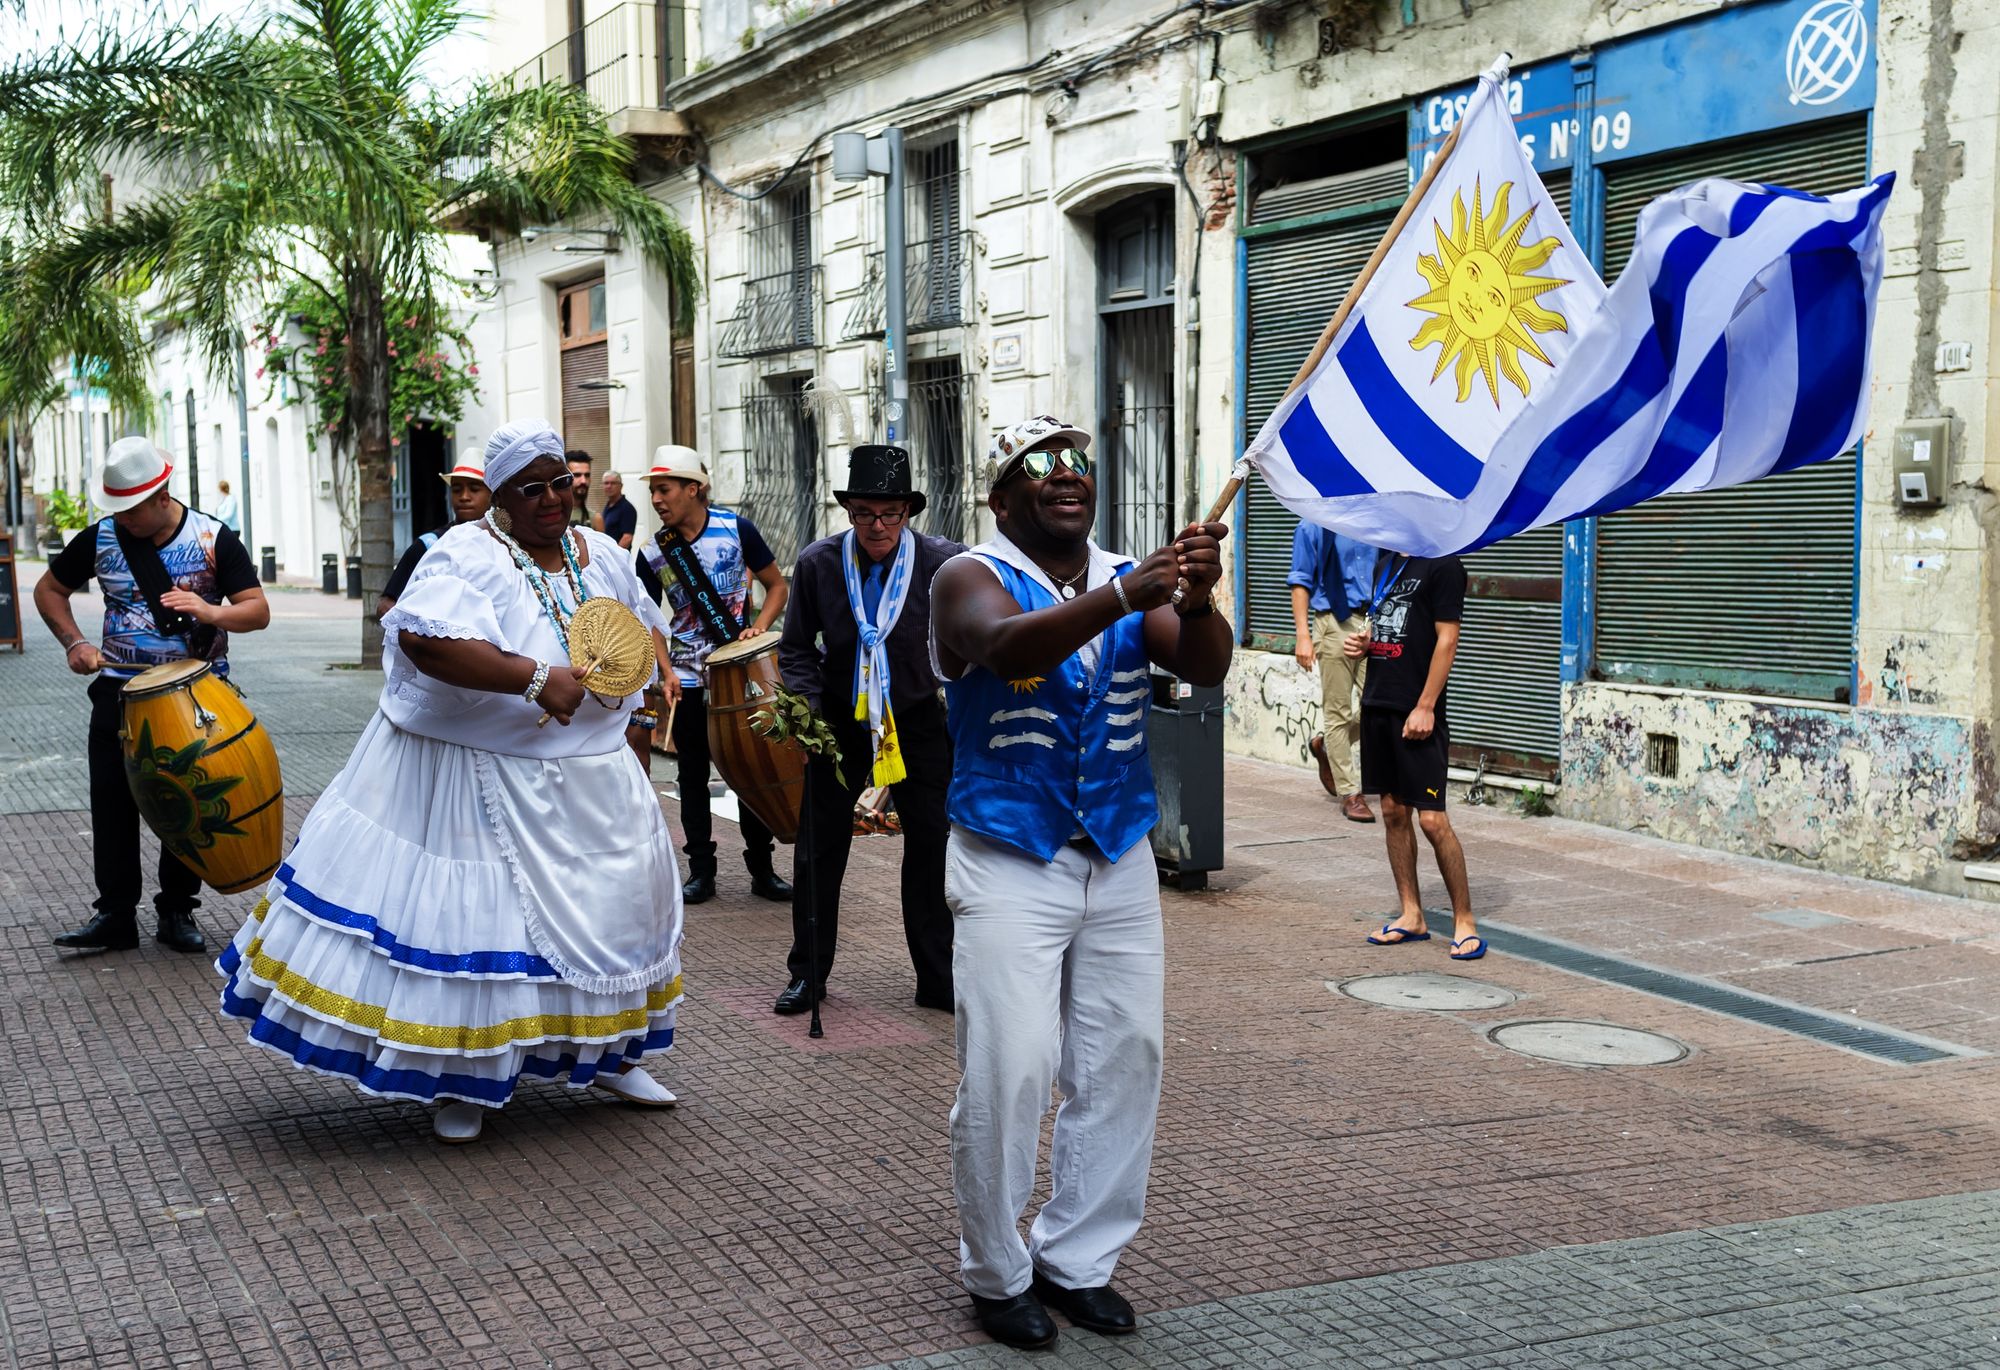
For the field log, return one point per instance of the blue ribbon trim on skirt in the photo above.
(471, 963)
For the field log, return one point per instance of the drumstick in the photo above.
(672, 705)
(588, 667)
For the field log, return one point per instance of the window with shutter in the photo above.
(1749, 588)
(586, 357)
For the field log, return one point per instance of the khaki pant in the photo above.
(1340, 679)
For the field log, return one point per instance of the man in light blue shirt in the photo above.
(1331, 578)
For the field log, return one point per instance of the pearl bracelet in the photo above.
(1118, 589)
(540, 679)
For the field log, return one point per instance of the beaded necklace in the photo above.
(538, 579)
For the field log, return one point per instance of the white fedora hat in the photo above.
(133, 471)
(468, 468)
(674, 461)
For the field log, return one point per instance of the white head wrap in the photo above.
(513, 446)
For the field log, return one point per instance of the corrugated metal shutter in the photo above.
(1750, 588)
(587, 413)
(1506, 685)
(1296, 281)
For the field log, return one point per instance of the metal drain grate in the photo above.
(1867, 1039)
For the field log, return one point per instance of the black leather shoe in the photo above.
(105, 932)
(797, 998)
(1101, 1309)
(177, 932)
(766, 883)
(698, 889)
(1020, 1322)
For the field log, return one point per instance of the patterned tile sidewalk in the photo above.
(173, 1197)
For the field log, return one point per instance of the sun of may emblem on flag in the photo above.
(1482, 300)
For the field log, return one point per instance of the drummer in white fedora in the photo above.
(698, 568)
(470, 499)
(176, 583)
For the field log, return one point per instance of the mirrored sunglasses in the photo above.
(1040, 464)
(534, 488)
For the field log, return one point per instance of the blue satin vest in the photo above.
(1035, 760)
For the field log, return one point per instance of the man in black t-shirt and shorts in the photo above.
(1411, 639)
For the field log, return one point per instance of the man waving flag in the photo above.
(1480, 380)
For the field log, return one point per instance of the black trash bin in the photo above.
(329, 573)
(354, 577)
(1184, 737)
(269, 569)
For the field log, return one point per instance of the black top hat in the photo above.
(875, 471)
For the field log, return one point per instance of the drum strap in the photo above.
(149, 573)
(713, 611)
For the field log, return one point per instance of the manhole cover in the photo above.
(1443, 993)
(1588, 1044)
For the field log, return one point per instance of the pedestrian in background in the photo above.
(176, 583)
(228, 512)
(1330, 579)
(578, 462)
(619, 521)
(1410, 641)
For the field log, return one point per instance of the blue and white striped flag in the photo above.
(1485, 383)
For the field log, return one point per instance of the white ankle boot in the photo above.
(458, 1122)
(635, 1086)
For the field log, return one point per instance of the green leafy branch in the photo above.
(789, 719)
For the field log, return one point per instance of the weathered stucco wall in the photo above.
(1273, 708)
(1871, 792)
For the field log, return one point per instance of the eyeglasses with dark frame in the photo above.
(862, 519)
(534, 489)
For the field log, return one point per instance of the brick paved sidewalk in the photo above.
(172, 1196)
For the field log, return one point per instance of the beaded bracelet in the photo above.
(541, 678)
(644, 720)
(1118, 589)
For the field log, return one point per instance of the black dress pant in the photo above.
(920, 805)
(692, 767)
(114, 820)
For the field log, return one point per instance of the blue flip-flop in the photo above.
(1458, 955)
(1383, 939)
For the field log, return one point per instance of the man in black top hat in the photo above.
(857, 644)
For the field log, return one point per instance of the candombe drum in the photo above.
(769, 777)
(204, 774)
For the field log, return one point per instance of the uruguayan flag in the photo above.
(1485, 382)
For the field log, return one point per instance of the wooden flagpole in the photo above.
(1242, 472)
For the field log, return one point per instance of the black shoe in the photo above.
(1020, 1322)
(105, 932)
(698, 889)
(766, 883)
(797, 998)
(177, 932)
(1101, 1309)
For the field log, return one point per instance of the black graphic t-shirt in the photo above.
(203, 556)
(1403, 630)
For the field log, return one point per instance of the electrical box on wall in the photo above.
(1920, 460)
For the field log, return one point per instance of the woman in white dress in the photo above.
(477, 899)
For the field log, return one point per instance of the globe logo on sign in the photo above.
(1828, 49)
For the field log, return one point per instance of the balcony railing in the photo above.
(774, 314)
(625, 58)
(937, 288)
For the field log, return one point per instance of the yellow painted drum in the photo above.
(204, 774)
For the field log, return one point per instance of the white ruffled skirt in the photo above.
(451, 920)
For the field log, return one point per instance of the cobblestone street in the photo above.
(1814, 1182)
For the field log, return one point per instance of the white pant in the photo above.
(1058, 969)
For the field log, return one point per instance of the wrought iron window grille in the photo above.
(940, 443)
(778, 310)
(937, 285)
(781, 468)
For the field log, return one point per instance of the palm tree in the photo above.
(308, 149)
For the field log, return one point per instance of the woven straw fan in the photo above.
(614, 647)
